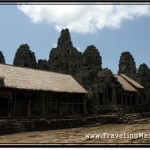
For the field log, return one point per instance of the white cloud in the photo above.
(54, 45)
(78, 48)
(84, 18)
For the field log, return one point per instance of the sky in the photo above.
(113, 29)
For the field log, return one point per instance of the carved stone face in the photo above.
(127, 64)
(91, 57)
(24, 57)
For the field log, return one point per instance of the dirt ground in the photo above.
(78, 135)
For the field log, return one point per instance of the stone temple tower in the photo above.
(2, 58)
(65, 58)
(24, 57)
(127, 65)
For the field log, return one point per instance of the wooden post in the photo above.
(14, 103)
(77, 104)
(56, 106)
(67, 104)
(131, 100)
(84, 105)
(125, 99)
(29, 106)
(56, 103)
(10, 106)
(43, 102)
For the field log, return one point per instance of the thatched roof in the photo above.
(128, 84)
(32, 79)
(133, 82)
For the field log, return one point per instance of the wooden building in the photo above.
(28, 92)
(132, 94)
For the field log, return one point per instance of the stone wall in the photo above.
(24, 125)
(8, 126)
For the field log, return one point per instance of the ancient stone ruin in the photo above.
(108, 98)
(2, 58)
(143, 75)
(127, 65)
(65, 58)
(105, 91)
(91, 64)
(24, 57)
(100, 83)
(43, 64)
(92, 58)
(65, 39)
